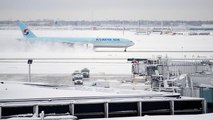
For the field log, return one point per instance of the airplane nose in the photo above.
(132, 43)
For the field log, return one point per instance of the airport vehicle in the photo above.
(96, 42)
(85, 72)
(78, 82)
(77, 77)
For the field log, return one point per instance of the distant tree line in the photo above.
(107, 22)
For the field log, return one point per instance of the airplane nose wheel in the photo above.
(125, 50)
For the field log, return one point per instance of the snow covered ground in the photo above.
(11, 90)
(10, 47)
(164, 117)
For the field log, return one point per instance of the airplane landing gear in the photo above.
(125, 50)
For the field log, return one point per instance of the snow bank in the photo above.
(164, 117)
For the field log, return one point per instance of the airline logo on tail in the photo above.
(26, 31)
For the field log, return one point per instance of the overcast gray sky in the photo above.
(106, 9)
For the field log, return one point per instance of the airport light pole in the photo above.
(29, 62)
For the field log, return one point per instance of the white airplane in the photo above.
(96, 42)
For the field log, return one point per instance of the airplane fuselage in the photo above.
(96, 42)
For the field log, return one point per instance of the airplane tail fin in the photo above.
(25, 31)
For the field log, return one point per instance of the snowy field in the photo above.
(13, 46)
(10, 90)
